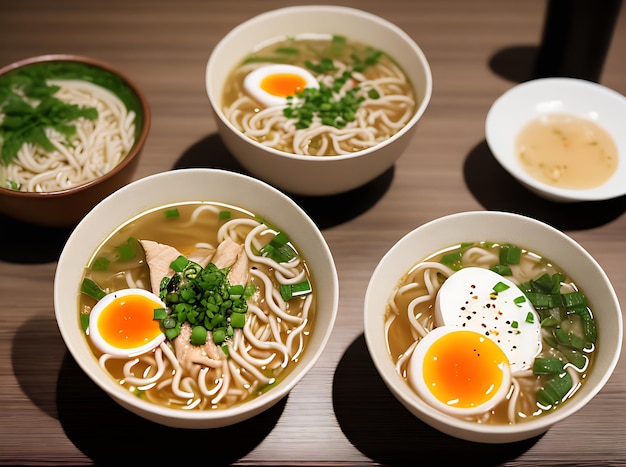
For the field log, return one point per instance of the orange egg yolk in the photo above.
(464, 369)
(283, 84)
(128, 322)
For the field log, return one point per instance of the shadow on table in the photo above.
(102, 429)
(31, 244)
(497, 190)
(379, 426)
(84, 409)
(326, 211)
(515, 63)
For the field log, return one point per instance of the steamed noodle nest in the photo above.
(376, 119)
(97, 146)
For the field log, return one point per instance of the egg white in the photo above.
(106, 346)
(466, 300)
(415, 376)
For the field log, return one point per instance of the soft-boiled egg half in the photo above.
(122, 323)
(459, 372)
(270, 85)
(486, 331)
(481, 300)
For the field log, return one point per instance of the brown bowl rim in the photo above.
(134, 151)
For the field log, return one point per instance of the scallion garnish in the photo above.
(171, 213)
(100, 264)
(519, 300)
(204, 298)
(500, 287)
(288, 291)
(92, 289)
(510, 254)
(129, 250)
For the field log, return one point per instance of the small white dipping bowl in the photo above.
(503, 228)
(193, 185)
(316, 175)
(580, 98)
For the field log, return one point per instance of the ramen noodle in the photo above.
(544, 328)
(233, 362)
(318, 95)
(83, 131)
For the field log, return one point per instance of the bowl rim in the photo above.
(460, 428)
(215, 101)
(127, 160)
(560, 88)
(192, 419)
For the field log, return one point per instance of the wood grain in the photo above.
(341, 413)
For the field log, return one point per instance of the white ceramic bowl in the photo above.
(190, 185)
(499, 227)
(316, 175)
(584, 99)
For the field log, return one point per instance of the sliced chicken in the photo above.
(226, 253)
(159, 257)
(202, 256)
(231, 253)
(239, 272)
(190, 356)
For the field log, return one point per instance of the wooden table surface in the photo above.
(341, 413)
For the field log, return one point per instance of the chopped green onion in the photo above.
(549, 322)
(198, 335)
(279, 249)
(100, 264)
(224, 215)
(452, 260)
(236, 290)
(219, 335)
(514, 324)
(574, 299)
(92, 289)
(519, 300)
(501, 269)
(561, 336)
(172, 213)
(238, 320)
(547, 366)
(555, 389)
(542, 300)
(288, 291)
(168, 322)
(159, 313)
(530, 317)
(12, 185)
(179, 264)
(509, 254)
(500, 287)
(172, 333)
(84, 321)
(129, 250)
(574, 356)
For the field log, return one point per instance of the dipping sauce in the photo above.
(567, 151)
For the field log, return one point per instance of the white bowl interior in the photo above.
(193, 185)
(585, 99)
(281, 168)
(501, 227)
